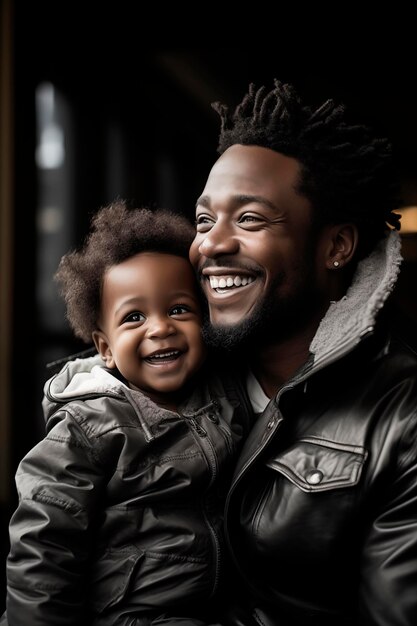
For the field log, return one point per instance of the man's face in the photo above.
(254, 250)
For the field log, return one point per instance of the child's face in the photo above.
(150, 325)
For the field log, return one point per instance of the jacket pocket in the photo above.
(316, 464)
(111, 576)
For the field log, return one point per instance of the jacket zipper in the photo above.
(201, 432)
(210, 456)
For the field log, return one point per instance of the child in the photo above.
(119, 519)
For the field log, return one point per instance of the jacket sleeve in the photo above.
(388, 589)
(59, 484)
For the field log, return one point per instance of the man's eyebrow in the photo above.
(203, 201)
(247, 199)
(239, 200)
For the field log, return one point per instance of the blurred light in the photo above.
(408, 219)
(50, 149)
(50, 220)
(50, 152)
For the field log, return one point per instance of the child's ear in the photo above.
(103, 348)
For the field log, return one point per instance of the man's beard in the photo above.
(276, 317)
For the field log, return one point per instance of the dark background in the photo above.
(157, 101)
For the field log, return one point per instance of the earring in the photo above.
(336, 263)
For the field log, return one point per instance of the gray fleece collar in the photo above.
(348, 319)
(82, 377)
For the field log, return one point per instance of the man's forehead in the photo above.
(251, 168)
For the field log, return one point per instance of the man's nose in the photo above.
(219, 240)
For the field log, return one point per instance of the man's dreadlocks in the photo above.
(347, 172)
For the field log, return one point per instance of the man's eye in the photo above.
(203, 223)
(249, 221)
(250, 218)
(134, 317)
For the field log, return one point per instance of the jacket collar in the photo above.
(348, 320)
(81, 377)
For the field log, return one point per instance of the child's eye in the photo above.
(134, 317)
(179, 309)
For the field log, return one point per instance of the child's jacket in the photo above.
(121, 505)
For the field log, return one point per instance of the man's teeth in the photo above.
(224, 282)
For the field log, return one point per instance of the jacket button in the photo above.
(314, 477)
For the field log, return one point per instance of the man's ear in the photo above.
(103, 348)
(342, 244)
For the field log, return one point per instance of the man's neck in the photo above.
(275, 364)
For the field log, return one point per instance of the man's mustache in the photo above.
(225, 262)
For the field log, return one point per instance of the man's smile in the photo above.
(226, 282)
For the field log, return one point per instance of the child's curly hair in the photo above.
(116, 234)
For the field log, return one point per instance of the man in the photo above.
(298, 252)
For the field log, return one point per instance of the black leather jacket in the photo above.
(322, 514)
(121, 505)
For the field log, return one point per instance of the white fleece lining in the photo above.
(348, 318)
(89, 377)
